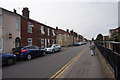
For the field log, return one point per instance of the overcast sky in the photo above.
(86, 17)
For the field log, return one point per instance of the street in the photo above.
(84, 66)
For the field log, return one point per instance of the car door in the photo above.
(32, 50)
(37, 50)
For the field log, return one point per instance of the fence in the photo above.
(111, 52)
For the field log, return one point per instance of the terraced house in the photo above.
(35, 33)
(9, 30)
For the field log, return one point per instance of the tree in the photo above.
(99, 37)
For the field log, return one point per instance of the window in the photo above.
(53, 41)
(48, 42)
(17, 24)
(59, 36)
(48, 31)
(30, 26)
(29, 41)
(0, 20)
(42, 43)
(53, 32)
(42, 30)
(1, 43)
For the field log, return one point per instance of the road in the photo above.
(49, 65)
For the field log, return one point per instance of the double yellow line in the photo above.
(57, 74)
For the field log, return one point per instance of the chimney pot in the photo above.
(14, 10)
(25, 12)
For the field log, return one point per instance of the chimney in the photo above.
(25, 12)
(14, 10)
(57, 28)
(67, 30)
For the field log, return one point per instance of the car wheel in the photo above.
(53, 51)
(29, 57)
(44, 53)
(10, 61)
(59, 50)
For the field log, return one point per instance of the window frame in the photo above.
(53, 32)
(1, 42)
(1, 19)
(48, 32)
(29, 42)
(42, 30)
(30, 27)
(17, 24)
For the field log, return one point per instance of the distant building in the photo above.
(105, 38)
(111, 32)
(62, 37)
(10, 34)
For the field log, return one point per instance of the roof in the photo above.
(26, 18)
(60, 31)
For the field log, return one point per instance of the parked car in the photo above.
(53, 48)
(7, 59)
(28, 52)
(77, 44)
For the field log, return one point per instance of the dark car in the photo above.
(27, 52)
(7, 59)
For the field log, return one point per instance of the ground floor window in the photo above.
(1, 43)
(29, 41)
(53, 41)
(42, 43)
(48, 42)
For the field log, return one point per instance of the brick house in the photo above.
(62, 37)
(35, 33)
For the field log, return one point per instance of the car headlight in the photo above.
(15, 55)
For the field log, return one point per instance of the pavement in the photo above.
(71, 62)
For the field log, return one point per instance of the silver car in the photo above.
(53, 48)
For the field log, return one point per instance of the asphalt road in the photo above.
(42, 67)
(71, 62)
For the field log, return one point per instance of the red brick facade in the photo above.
(36, 33)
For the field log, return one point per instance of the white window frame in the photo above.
(1, 20)
(53, 32)
(1, 42)
(17, 24)
(53, 41)
(42, 30)
(48, 31)
(30, 26)
(29, 41)
(60, 37)
(42, 43)
(48, 41)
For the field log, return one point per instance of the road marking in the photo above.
(57, 74)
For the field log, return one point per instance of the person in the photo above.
(92, 48)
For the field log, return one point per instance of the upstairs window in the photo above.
(17, 24)
(48, 31)
(42, 30)
(0, 20)
(1, 43)
(53, 32)
(59, 37)
(30, 26)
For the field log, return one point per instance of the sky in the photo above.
(86, 17)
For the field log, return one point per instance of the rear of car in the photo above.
(27, 52)
(8, 59)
